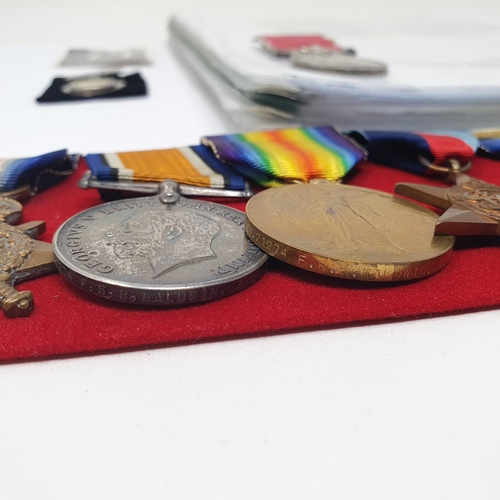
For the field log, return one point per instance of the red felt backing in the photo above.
(68, 321)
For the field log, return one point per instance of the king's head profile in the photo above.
(167, 240)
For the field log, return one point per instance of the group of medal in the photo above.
(312, 52)
(171, 248)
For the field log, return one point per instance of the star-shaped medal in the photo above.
(472, 207)
(21, 257)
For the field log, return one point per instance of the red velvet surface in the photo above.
(68, 321)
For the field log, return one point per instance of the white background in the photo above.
(406, 410)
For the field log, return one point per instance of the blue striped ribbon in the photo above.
(39, 172)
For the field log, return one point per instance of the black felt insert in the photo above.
(136, 86)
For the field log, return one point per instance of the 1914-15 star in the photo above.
(21, 257)
(472, 207)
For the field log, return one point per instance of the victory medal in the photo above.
(347, 232)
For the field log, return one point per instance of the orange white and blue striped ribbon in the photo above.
(194, 165)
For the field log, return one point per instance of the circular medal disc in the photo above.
(92, 87)
(347, 232)
(147, 252)
(336, 61)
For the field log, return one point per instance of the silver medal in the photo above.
(160, 250)
(327, 60)
(93, 86)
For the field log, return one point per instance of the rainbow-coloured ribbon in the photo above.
(277, 157)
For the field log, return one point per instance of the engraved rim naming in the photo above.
(148, 251)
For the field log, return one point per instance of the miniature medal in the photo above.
(332, 60)
(347, 232)
(92, 86)
(472, 206)
(160, 250)
(21, 258)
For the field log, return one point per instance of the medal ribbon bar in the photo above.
(194, 165)
(414, 152)
(277, 157)
(39, 172)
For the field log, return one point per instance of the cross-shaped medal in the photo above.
(472, 207)
(21, 257)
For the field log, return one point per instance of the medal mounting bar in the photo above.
(145, 188)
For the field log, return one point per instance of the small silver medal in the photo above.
(93, 86)
(327, 60)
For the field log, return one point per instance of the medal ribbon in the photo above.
(413, 152)
(490, 148)
(277, 157)
(40, 172)
(194, 165)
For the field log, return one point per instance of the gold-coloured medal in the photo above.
(347, 232)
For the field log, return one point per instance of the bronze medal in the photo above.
(347, 232)
(21, 257)
(472, 206)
